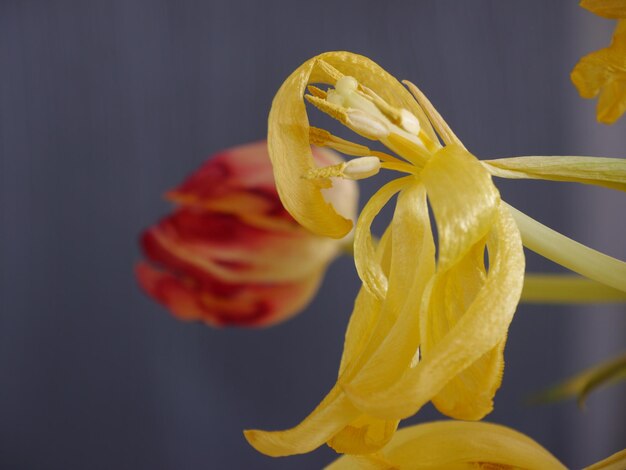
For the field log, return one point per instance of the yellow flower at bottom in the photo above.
(455, 445)
(427, 325)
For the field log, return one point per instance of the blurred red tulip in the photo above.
(230, 254)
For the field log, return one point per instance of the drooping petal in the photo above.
(335, 421)
(455, 445)
(606, 8)
(396, 337)
(606, 172)
(464, 201)
(288, 135)
(207, 299)
(330, 417)
(370, 271)
(364, 435)
(478, 331)
(468, 395)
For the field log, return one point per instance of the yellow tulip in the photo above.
(426, 325)
(454, 445)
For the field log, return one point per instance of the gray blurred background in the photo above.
(106, 104)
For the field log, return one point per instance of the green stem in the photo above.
(569, 253)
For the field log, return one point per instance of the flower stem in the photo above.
(565, 288)
(569, 253)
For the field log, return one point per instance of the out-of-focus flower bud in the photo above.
(230, 254)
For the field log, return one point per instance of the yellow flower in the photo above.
(455, 445)
(426, 325)
(463, 445)
(603, 72)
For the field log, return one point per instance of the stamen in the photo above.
(361, 168)
(323, 138)
(440, 125)
(366, 125)
(357, 169)
(316, 92)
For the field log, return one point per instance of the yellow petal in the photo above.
(606, 172)
(616, 461)
(395, 341)
(612, 100)
(365, 314)
(464, 201)
(469, 395)
(364, 435)
(604, 72)
(606, 8)
(331, 416)
(478, 331)
(335, 421)
(288, 135)
(456, 444)
(370, 271)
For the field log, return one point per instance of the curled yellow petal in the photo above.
(455, 444)
(479, 330)
(288, 135)
(330, 417)
(468, 395)
(463, 198)
(395, 340)
(607, 172)
(370, 271)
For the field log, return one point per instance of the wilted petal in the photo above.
(206, 299)
(455, 445)
(395, 338)
(478, 331)
(288, 135)
(464, 201)
(336, 421)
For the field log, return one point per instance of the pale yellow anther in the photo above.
(367, 125)
(409, 122)
(361, 168)
(356, 169)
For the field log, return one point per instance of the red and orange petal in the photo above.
(202, 243)
(222, 304)
(238, 181)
